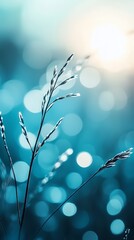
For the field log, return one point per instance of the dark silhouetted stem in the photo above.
(56, 210)
(15, 181)
(32, 160)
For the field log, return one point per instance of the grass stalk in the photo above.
(110, 163)
(3, 135)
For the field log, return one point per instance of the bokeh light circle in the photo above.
(114, 207)
(23, 142)
(90, 235)
(36, 55)
(41, 209)
(84, 159)
(21, 170)
(90, 77)
(48, 157)
(106, 101)
(55, 194)
(73, 180)
(72, 124)
(118, 194)
(33, 100)
(69, 209)
(117, 226)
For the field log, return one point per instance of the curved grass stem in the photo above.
(72, 194)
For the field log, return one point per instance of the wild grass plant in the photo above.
(47, 104)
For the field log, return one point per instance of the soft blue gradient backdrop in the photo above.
(36, 35)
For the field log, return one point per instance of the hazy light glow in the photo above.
(21, 171)
(32, 101)
(6, 101)
(90, 77)
(36, 54)
(69, 209)
(11, 86)
(102, 31)
(120, 98)
(84, 159)
(106, 101)
(117, 226)
(109, 42)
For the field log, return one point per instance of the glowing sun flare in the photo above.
(108, 42)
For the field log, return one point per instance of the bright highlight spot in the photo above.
(69, 209)
(21, 171)
(109, 42)
(69, 151)
(90, 77)
(84, 159)
(117, 226)
(23, 142)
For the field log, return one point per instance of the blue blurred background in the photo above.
(36, 35)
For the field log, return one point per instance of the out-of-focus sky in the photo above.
(36, 35)
(102, 28)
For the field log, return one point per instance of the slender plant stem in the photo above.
(31, 165)
(28, 180)
(15, 181)
(72, 194)
(52, 88)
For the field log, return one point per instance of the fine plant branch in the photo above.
(127, 231)
(49, 135)
(58, 208)
(31, 164)
(66, 80)
(3, 135)
(24, 130)
(62, 98)
(110, 163)
(44, 108)
(3, 175)
(61, 159)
